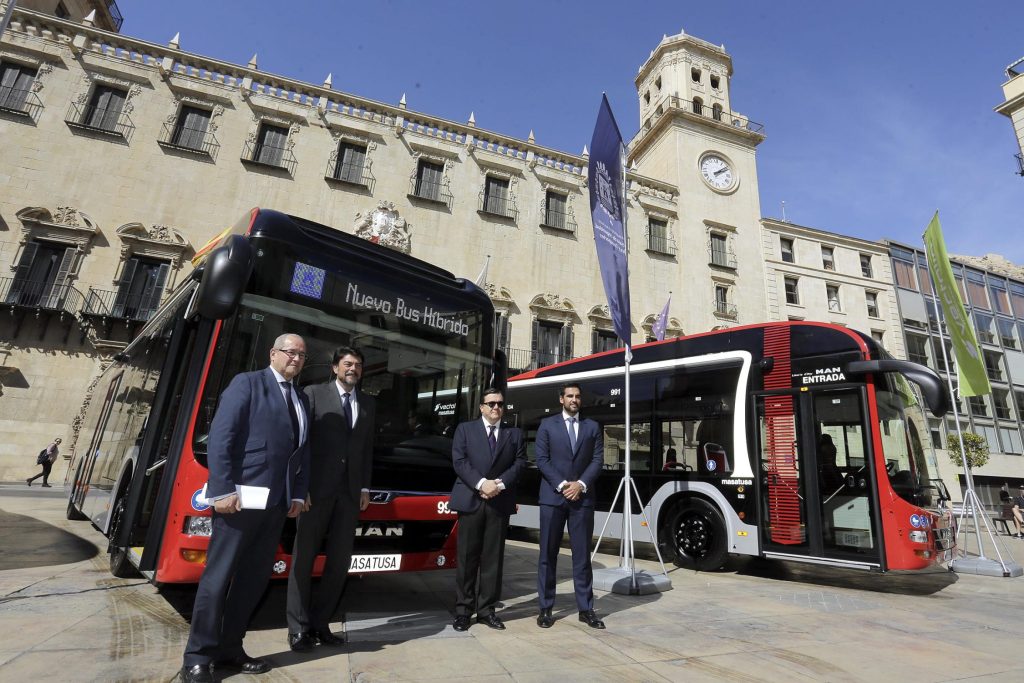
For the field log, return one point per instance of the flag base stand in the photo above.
(624, 581)
(984, 566)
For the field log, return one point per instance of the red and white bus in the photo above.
(427, 336)
(793, 440)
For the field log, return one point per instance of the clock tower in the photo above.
(691, 136)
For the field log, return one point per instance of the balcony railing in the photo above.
(1020, 164)
(114, 123)
(115, 14)
(20, 102)
(558, 220)
(699, 109)
(725, 308)
(43, 296)
(494, 205)
(351, 174)
(520, 360)
(189, 140)
(258, 154)
(107, 304)
(430, 192)
(661, 245)
(721, 258)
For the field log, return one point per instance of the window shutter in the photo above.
(565, 350)
(504, 331)
(114, 104)
(154, 288)
(595, 341)
(125, 287)
(535, 337)
(21, 274)
(58, 288)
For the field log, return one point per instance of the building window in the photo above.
(270, 145)
(997, 294)
(917, 349)
(60, 11)
(978, 405)
(924, 280)
(428, 180)
(994, 365)
(698, 106)
(792, 292)
(552, 342)
(935, 428)
(983, 324)
(716, 111)
(16, 87)
(556, 212)
(191, 132)
(41, 277)
(832, 294)
(903, 271)
(722, 305)
(695, 75)
(720, 255)
(1018, 394)
(1011, 440)
(865, 266)
(1017, 299)
(1008, 333)
(658, 238)
(141, 287)
(872, 301)
(828, 258)
(503, 330)
(1001, 403)
(976, 290)
(604, 340)
(878, 336)
(786, 245)
(350, 165)
(497, 199)
(104, 109)
(715, 82)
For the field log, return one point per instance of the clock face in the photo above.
(717, 172)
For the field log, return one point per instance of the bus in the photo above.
(140, 464)
(798, 441)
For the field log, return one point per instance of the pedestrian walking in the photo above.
(46, 458)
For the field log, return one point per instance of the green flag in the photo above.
(970, 367)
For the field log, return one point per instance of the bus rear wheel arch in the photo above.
(695, 535)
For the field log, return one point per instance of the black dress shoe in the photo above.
(325, 637)
(197, 673)
(492, 620)
(301, 642)
(544, 619)
(589, 617)
(461, 623)
(243, 663)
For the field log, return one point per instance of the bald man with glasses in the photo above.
(257, 439)
(488, 456)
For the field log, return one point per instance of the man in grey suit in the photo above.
(341, 442)
(488, 456)
(570, 453)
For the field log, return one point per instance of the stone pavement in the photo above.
(63, 617)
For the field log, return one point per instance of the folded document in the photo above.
(252, 497)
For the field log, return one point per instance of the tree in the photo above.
(977, 450)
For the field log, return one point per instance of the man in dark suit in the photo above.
(570, 451)
(341, 453)
(257, 439)
(488, 456)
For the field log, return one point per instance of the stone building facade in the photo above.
(1012, 107)
(122, 157)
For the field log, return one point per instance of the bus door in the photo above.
(817, 497)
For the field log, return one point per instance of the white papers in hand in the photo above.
(251, 497)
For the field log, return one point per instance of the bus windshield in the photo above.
(902, 424)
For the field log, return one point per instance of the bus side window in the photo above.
(714, 444)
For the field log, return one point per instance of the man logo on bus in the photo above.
(196, 505)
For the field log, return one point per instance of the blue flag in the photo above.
(661, 324)
(607, 208)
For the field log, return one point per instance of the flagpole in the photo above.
(627, 509)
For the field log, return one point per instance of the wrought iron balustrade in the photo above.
(725, 308)
(661, 245)
(20, 102)
(559, 220)
(498, 206)
(353, 174)
(721, 257)
(42, 296)
(115, 304)
(431, 192)
(112, 122)
(270, 156)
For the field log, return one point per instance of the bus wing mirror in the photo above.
(932, 387)
(499, 378)
(225, 275)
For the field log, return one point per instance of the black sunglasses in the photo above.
(494, 404)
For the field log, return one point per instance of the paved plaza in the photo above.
(65, 618)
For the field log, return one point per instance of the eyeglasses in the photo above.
(293, 354)
(494, 404)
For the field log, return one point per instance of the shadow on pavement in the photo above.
(923, 582)
(27, 542)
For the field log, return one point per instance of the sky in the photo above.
(877, 114)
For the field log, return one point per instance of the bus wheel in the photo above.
(120, 566)
(698, 536)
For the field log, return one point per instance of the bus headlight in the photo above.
(199, 526)
(919, 536)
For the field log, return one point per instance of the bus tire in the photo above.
(696, 534)
(120, 565)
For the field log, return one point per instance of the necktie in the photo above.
(346, 407)
(572, 433)
(291, 411)
(491, 441)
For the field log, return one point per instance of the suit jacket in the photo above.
(472, 460)
(557, 462)
(341, 457)
(251, 440)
